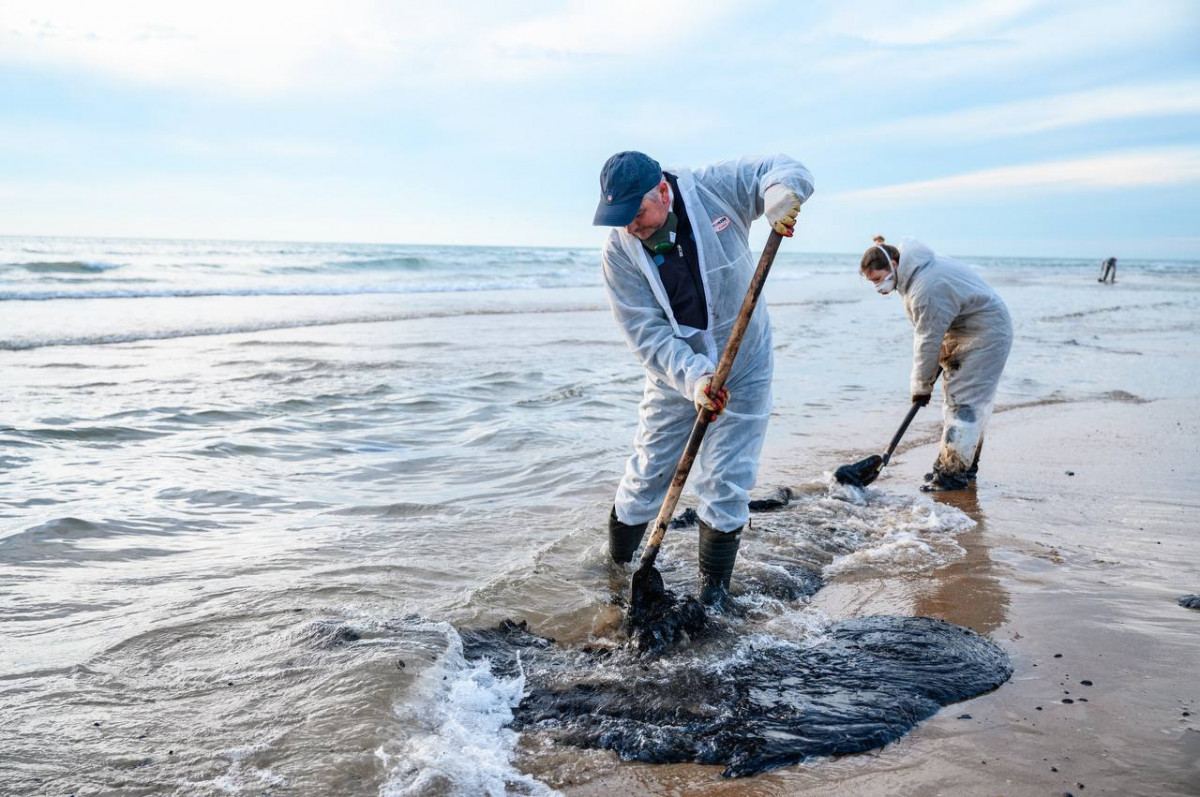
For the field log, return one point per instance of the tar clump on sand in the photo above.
(746, 704)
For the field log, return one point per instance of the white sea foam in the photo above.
(241, 777)
(909, 534)
(459, 742)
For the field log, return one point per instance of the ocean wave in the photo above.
(389, 263)
(234, 499)
(86, 434)
(63, 266)
(66, 540)
(398, 510)
(249, 327)
(298, 290)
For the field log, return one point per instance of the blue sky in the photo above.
(1008, 128)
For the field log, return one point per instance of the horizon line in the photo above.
(599, 248)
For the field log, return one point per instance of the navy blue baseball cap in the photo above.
(624, 180)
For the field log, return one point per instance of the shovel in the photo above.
(865, 471)
(649, 599)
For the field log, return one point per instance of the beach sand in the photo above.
(1077, 577)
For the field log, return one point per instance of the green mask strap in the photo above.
(664, 238)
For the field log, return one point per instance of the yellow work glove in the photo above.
(782, 208)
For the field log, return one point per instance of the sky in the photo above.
(1009, 127)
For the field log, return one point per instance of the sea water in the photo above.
(252, 492)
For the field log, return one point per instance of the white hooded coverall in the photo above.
(721, 201)
(962, 327)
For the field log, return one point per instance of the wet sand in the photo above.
(1077, 578)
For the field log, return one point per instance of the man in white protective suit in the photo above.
(676, 270)
(963, 331)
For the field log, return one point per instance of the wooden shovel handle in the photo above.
(912, 413)
(891, 449)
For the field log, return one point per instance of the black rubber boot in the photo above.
(623, 540)
(940, 481)
(973, 471)
(718, 551)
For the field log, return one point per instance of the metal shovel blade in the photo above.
(648, 597)
(861, 473)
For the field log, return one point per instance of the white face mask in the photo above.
(888, 284)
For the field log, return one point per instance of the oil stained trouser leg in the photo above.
(971, 379)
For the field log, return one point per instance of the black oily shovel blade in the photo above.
(657, 618)
(861, 473)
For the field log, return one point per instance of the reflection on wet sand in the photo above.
(966, 591)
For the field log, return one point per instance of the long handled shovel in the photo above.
(648, 589)
(865, 471)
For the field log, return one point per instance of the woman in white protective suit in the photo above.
(963, 331)
(676, 270)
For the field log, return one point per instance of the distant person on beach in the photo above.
(962, 331)
(1108, 268)
(676, 269)
(878, 239)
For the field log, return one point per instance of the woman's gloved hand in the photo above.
(705, 400)
(782, 208)
(921, 399)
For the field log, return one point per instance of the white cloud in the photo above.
(1042, 114)
(27, 139)
(891, 46)
(1135, 169)
(254, 47)
(921, 24)
(269, 46)
(614, 28)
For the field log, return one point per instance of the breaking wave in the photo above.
(62, 267)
